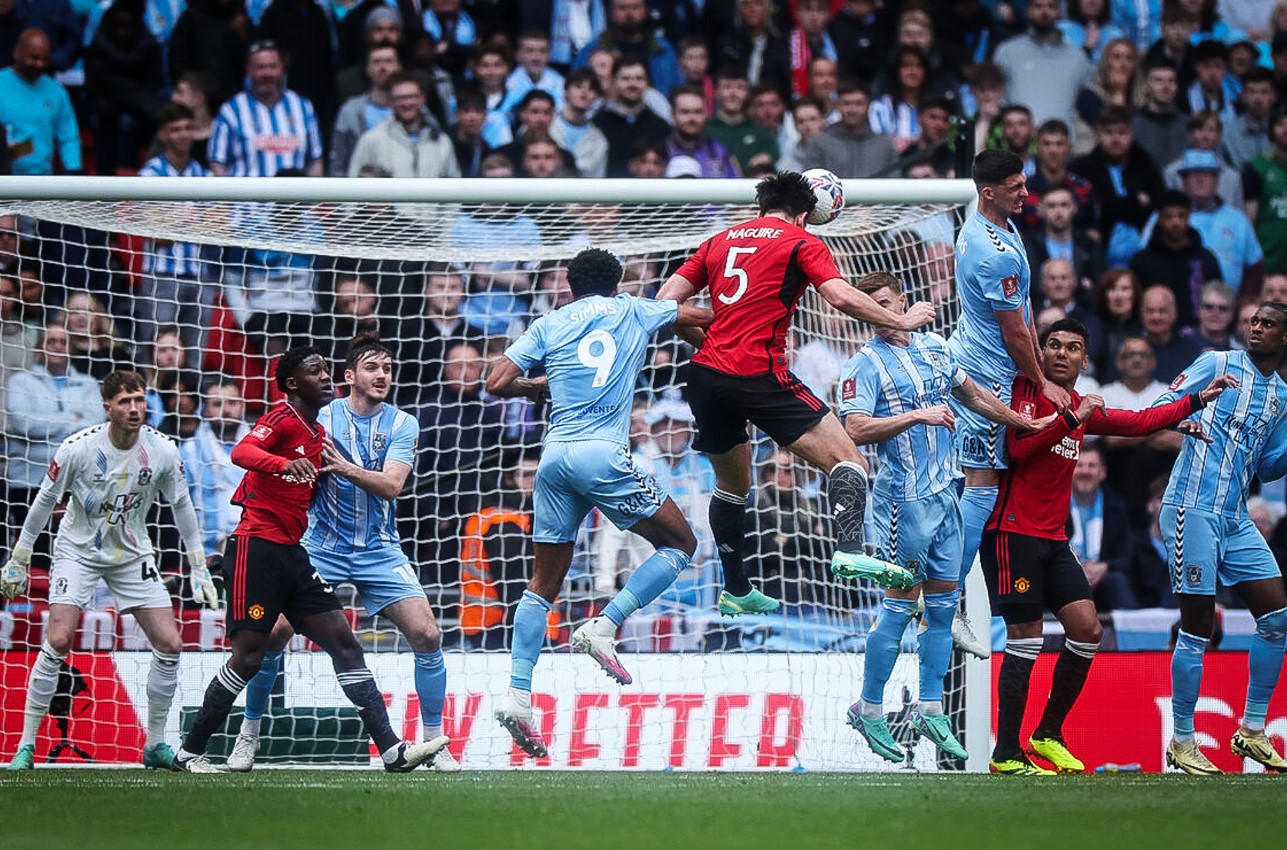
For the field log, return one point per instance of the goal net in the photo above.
(198, 284)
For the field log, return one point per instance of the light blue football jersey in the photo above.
(1249, 429)
(992, 274)
(593, 350)
(884, 380)
(343, 517)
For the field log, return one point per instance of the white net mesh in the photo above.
(200, 295)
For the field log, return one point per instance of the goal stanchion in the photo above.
(449, 272)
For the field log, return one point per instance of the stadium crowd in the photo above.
(1154, 133)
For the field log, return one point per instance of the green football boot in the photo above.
(876, 731)
(158, 757)
(857, 565)
(752, 603)
(25, 758)
(938, 728)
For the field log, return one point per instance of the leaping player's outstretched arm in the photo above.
(505, 380)
(994, 409)
(859, 305)
(1018, 339)
(679, 288)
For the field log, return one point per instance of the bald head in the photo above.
(1158, 312)
(1058, 281)
(31, 55)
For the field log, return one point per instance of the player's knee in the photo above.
(427, 639)
(1272, 626)
(60, 642)
(1091, 632)
(168, 645)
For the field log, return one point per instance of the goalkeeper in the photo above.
(111, 474)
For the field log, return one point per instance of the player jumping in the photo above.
(112, 473)
(270, 573)
(593, 350)
(993, 339)
(756, 272)
(1025, 553)
(1209, 535)
(894, 393)
(352, 536)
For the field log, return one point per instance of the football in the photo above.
(830, 193)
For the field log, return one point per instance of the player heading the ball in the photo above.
(593, 350)
(756, 273)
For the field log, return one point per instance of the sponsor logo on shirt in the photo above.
(1179, 380)
(54, 470)
(849, 389)
(145, 476)
(1010, 285)
(1028, 410)
(277, 143)
(261, 432)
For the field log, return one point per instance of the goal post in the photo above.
(448, 272)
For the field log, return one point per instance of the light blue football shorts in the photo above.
(574, 477)
(1201, 546)
(924, 535)
(381, 575)
(980, 443)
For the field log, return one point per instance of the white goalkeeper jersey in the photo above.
(110, 492)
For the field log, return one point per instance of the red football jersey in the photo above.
(275, 506)
(756, 272)
(1036, 490)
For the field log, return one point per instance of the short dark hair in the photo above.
(731, 71)
(122, 380)
(1208, 49)
(1275, 305)
(398, 78)
(812, 100)
(577, 76)
(594, 271)
(1257, 74)
(290, 362)
(1006, 109)
(622, 62)
(876, 281)
(362, 346)
(1067, 325)
(940, 102)
(1173, 198)
(647, 146)
(1113, 116)
(992, 167)
(531, 97)
(1054, 126)
(785, 191)
(172, 112)
(693, 91)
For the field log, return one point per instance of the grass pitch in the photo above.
(530, 810)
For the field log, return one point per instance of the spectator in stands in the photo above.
(809, 38)
(628, 34)
(1057, 287)
(1150, 566)
(1114, 82)
(809, 118)
(172, 289)
(823, 82)
(196, 91)
(915, 29)
(420, 342)
(755, 43)
(896, 113)
(750, 145)
(1014, 133)
(305, 33)
(1057, 237)
(1175, 257)
(981, 100)
(94, 346)
(211, 36)
(1264, 182)
(535, 113)
(354, 310)
(1214, 330)
(496, 556)
(460, 435)
(454, 34)
(1101, 532)
(1173, 350)
(1178, 26)
(572, 129)
(123, 80)
(408, 143)
(384, 28)
(44, 405)
(1090, 26)
(1136, 388)
(860, 30)
(967, 32)
(1125, 180)
(1247, 136)
(467, 133)
(207, 461)
(1159, 126)
(688, 107)
(850, 148)
(695, 68)
(1224, 229)
(164, 353)
(17, 341)
(1044, 71)
(624, 120)
(363, 112)
(36, 111)
(268, 127)
(766, 107)
(1117, 304)
(1053, 150)
(1212, 89)
(1204, 133)
(933, 145)
(490, 66)
(57, 19)
(543, 158)
(647, 160)
(181, 396)
(573, 25)
(787, 528)
(533, 71)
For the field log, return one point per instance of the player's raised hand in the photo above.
(1089, 404)
(939, 415)
(919, 314)
(13, 576)
(1058, 396)
(332, 460)
(203, 586)
(301, 469)
(1193, 428)
(1218, 384)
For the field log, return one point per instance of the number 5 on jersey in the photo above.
(731, 270)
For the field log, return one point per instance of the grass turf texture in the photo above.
(272, 809)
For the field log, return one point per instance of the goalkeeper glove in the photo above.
(203, 587)
(13, 577)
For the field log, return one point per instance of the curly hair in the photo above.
(594, 271)
(290, 363)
